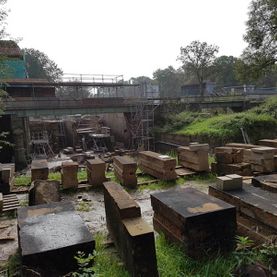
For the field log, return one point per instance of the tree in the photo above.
(197, 58)
(3, 17)
(224, 71)
(170, 81)
(40, 66)
(261, 36)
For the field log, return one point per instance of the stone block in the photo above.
(133, 237)
(190, 218)
(268, 142)
(199, 147)
(229, 182)
(157, 165)
(69, 175)
(50, 236)
(1, 202)
(96, 169)
(125, 170)
(44, 192)
(39, 170)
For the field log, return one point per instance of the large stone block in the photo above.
(229, 182)
(125, 170)
(157, 165)
(96, 169)
(44, 192)
(1, 202)
(133, 237)
(39, 170)
(50, 236)
(200, 223)
(196, 159)
(70, 175)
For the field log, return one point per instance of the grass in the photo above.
(227, 126)
(172, 262)
(24, 180)
(258, 122)
(106, 263)
(84, 206)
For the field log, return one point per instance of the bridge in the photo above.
(107, 94)
(44, 106)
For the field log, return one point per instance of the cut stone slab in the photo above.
(1, 202)
(39, 170)
(96, 169)
(198, 222)
(50, 236)
(266, 182)
(133, 237)
(69, 175)
(199, 147)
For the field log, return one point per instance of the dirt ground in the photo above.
(93, 214)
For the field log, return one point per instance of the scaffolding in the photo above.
(140, 123)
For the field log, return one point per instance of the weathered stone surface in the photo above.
(157, 165)
(44, 192)
(96, 169)
(253, 202)
(50, 236)
(125, 170)
(39, 170)
(133, 237)
(194, 157)
(229, 182)
(1, 202)
(119, 201)
(69, 175)
(196, 221)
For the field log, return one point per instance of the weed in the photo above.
(172, 262)
(83, 206)
(22, 180)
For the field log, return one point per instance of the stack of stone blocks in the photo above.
(195, 157)
(133, 237)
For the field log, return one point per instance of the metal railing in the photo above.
(92, 78)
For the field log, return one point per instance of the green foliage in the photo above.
(85, 265)
(269, 107)
(177, 121)
(269, 254)
(170, 81)
(83, 206)
(261, 35)
(14, 265)
(226, 127)
(106, 264)
(172, 262)
(244, 254)
(22, 180)
(40, 66)
(197, 58)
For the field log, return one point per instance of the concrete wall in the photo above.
(118, 125)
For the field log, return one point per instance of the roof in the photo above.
(10, 48)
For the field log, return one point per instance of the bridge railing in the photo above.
(92, 78)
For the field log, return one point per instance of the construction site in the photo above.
(90, 180)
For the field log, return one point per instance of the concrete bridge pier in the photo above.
(21, 140)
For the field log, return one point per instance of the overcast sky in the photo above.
(129, 37)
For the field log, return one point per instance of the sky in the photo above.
(129, 37)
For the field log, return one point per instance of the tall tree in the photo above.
(40, 66)
(197, 58)
(261, 36)
(170, 81)
(223, 71)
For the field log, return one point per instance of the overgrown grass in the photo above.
(24, 180)
(106, 263)
(172, 262)
(84, 206)
(258, 122)
(227, 126)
